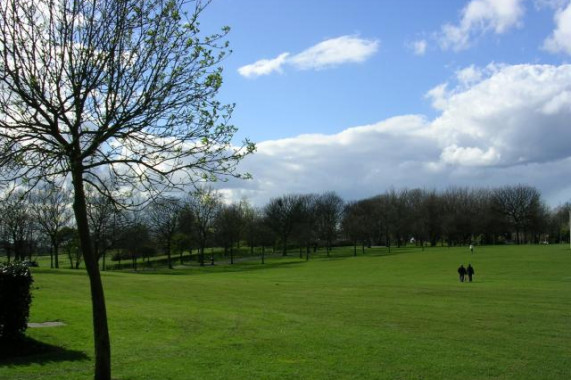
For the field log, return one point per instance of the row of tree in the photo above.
(41, 220)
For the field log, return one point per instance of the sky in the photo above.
(363, 96)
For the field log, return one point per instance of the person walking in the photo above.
(462, 272)
(471, 248)
(470, 272)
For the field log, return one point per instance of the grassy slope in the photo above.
(395, 316)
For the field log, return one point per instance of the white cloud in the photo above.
(419, 47)
(439, 96)
(469, 156)
(469, 75)
(513, 111)
(560, 39)
(480, 17)
(326, 54)
(509, 126)
(334, 52)
(263, 66)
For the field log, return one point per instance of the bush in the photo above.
(15, 299)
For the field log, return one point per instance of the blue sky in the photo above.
(361, 96)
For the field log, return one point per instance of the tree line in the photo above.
(40, 221)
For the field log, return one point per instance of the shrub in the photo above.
(15, 299)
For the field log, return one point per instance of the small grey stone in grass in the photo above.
(45, 324)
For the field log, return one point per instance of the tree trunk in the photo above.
(100, 328)
(201, 255)
(284, 247)
(169, 254)
(56, 256)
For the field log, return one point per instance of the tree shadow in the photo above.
(222, 266)
(26, 350)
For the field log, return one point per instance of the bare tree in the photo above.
(17, 224)
(560, 223)
(104, 222)
(229, 223)
(163, 215)
(519, 205)
(203, 204)
(135, 241)
(282, 214)
(70, 246)
(353, 224)
(127, 87)
(185, 236)
(329, 208)
(305, 223)
(51, 209)
(250, 217)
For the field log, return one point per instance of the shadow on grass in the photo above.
(26, 350)
(220, 266)
(273, 261)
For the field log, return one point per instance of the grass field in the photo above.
(402, 315)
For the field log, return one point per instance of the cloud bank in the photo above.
(326, 54)
(498, 124)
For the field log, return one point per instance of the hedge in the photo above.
(15, 299)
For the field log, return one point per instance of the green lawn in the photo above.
(402, 315)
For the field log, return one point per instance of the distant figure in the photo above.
(470, 271)
(471, 248)
(462, 272)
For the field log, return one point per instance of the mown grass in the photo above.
(378, 316)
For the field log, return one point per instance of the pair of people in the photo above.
(462, 272)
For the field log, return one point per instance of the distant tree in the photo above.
(263, 234)
(163, 216)
(135, 241)
(51, 209)
(228, 225)
(281, 215)
(203, 204)
(128, 87)
(69, 240)
(418, 214)
(105, 221)
(304, 229)
(433, 213)
(328, 210)
(459, 215)
(560, 223)
(250, 218)
(354, 223)
(185, 236)
(18, 226)
(538, 225)
(180, 242)
(519, 205)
